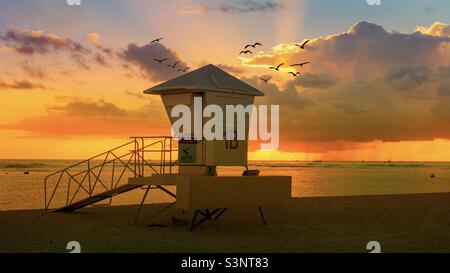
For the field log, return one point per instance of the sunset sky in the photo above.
(378, 87)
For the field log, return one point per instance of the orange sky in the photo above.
(370, 93)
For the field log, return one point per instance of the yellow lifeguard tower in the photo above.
(198, 187)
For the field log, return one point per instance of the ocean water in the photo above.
(26, 191)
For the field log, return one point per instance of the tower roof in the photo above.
(206, 78)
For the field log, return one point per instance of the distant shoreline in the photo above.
(306, 161)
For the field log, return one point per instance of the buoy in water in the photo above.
(432, 175)
(26, 172)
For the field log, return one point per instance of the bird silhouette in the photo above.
(245, 52)
(184, 70)
(252, 45)
(160, 61)
(174, 64)
(266, 79)
(156, 40)
(294, 74)
(276, 68)
(301, 64)
(302, 46)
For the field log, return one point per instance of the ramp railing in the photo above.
(142, 156)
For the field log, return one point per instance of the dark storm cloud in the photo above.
(143, 57)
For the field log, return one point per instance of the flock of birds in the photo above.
(174, 65)
(246, 51)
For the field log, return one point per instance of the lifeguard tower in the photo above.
(193, 173)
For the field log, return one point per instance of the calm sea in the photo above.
(26, 191)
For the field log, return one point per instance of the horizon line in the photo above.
(262, 160)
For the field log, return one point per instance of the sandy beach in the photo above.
(401, 223)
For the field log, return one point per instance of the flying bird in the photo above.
(184, 70)
(302, 46)
(301, 64)
(156, 40)
(294, 74)
(173, 65)
(266, 79)
(245, 52)
(160, 61)
(252, 45)
(276, 68)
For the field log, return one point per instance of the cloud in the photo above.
(231, 69)
(33, 71)
(86, 117)
(94, 37)
(99, 108)
(107, 50)
(348, 108)
(189, 7)
(31, 42)
(430, 9)
(20, 85)
(363, 85)
(138, 95)
(436, 29)
(245, 6)
(36, 42)
(100, 59)
(407, 77)
(313, 80)
(365, 49)
(143, 56)
(444, 90)
(444, 71)
(441, 112)
(286, 97)
(234, 70)
(229, 6)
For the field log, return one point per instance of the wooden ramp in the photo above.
(97, 198)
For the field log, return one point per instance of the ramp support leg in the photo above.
(262, 215)
(136, 218)
(220, 214)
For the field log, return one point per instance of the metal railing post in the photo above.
(134, 154)
(170, 156)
